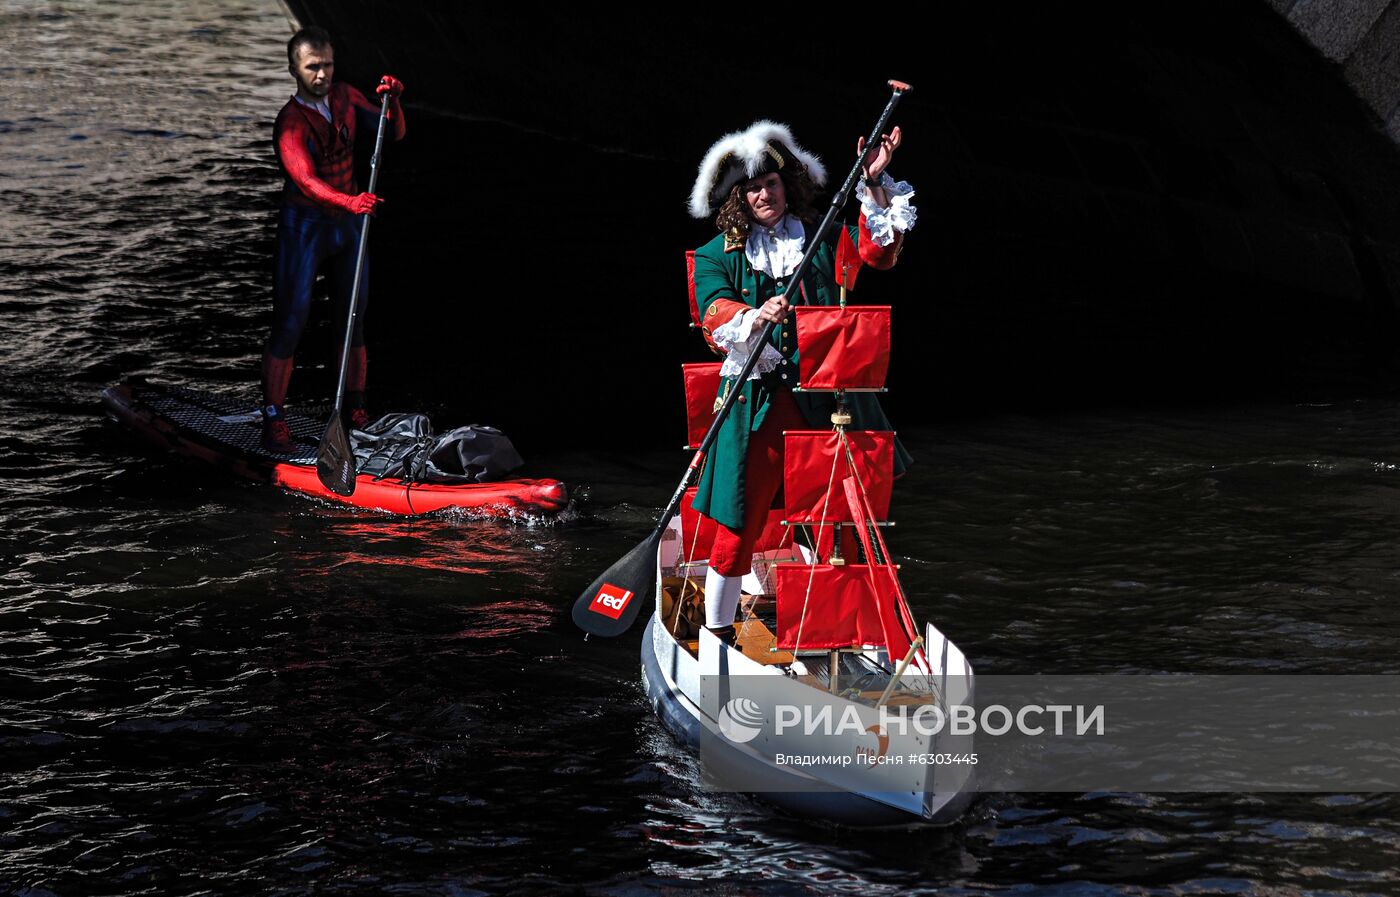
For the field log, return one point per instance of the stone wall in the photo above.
(1363, 38)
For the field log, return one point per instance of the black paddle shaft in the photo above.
(335, 459)
(838, 201)
(609, 606)
(360, 255)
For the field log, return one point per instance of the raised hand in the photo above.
(880, 159)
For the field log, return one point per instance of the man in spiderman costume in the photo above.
(320, 219)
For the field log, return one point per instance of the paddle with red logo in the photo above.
(609, 606)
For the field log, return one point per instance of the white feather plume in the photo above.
(718, 173)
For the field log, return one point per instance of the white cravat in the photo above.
(776, 250)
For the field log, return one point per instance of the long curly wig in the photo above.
(735, 219)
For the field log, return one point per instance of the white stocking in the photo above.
(721, 599)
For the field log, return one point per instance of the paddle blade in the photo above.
(609, 606)
(335, 462)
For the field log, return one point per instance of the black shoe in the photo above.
(727, 635)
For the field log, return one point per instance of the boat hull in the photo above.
(671, 675)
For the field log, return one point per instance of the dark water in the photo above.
(212, 687)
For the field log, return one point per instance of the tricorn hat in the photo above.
(765, 147)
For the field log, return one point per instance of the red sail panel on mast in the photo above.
(853, 496)
(841, 609)
(809, 485)
(843, 348)
(884, 581)
(698, 531)
(701, 387)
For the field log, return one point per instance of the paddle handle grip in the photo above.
(898, 89)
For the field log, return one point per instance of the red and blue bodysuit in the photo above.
(318, 226)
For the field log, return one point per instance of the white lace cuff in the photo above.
(738, 338)
(900, 216)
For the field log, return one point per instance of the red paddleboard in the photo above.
(227, 433)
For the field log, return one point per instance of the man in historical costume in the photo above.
(760, 185)
(320, 219)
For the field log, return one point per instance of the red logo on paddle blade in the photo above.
(611, 601)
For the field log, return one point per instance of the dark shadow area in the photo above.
(1173, 203)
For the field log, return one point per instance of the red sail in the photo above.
(701, 386)
(884, 579)
(812, 491)
(841, 609)
(843, 348)
(822, 607)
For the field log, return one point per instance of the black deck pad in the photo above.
(229, 421)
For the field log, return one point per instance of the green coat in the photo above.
(728, 275)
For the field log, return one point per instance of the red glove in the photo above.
(364, 203)
(390, 85)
